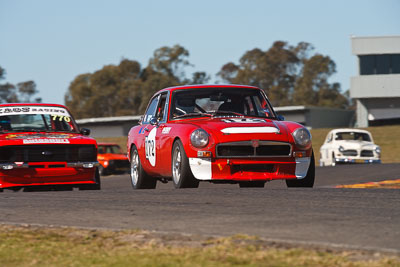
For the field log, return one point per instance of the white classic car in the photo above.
(349, 146)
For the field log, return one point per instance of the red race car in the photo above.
(217, 133)
(111, 159)
(41, 147)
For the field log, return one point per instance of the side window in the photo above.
(329, 139)
(161, 113)
(151, 110)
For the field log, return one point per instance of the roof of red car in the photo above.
(207, 86)
(32, 104)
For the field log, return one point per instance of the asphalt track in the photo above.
(323, 216)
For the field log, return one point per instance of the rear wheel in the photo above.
(307, 181)
(252, 184)
(182, 176)
(139, 178)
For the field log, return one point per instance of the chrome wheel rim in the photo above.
(134, 167)
(176, 165)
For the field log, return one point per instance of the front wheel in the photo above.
(307, 181)
(182, 176)
(102, 170)
(139, 178)
(333, 159)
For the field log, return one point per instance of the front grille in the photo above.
(367, 153)
(350, 152)
(48, 153)
(253, 149)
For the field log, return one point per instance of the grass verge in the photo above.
(39, 246)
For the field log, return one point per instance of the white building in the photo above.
(376, 89)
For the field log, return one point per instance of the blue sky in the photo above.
(51, 42)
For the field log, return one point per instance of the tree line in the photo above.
(22, 92)
(290, 75)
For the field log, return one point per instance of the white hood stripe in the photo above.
(244, 130)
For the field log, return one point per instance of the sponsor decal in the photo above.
(245, 120)
(55, 111)
(46, 141)
(166, 130)
(36, 136)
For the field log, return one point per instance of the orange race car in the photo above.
(111, 159)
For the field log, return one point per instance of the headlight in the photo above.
(199, 138)
(378, 150)
(341, 149)
(302, 137)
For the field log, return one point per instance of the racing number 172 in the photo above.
(149, 147)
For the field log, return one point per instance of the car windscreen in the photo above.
(109, 149)
(353, 136)
(219, 102)
(36, 119)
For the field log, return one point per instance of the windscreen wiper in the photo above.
(192, 114)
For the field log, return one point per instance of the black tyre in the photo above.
(259, 184)
(333, 159)
(182, 176)
(307, 181)
(139, 178)
(96, 186)
(102, 170)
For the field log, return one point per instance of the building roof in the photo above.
(108, 119)
(375, 45)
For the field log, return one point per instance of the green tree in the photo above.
(126, 89)
(111, 91)
(23, 92)
(199, 77)
(288, 74)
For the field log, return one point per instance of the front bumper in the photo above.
(249, 169)
(47, 173)
(357, 160)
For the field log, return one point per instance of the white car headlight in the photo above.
(378, 150)
(199, 138)
(341, 149)
(302, 137)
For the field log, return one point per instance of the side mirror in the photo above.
(85, 131)
(153, 121)
(280, 118)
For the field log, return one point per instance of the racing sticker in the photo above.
(34, 110)
(37, 136)
(150, 146)
(46, 141)
(245, 120)
(166, 130)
